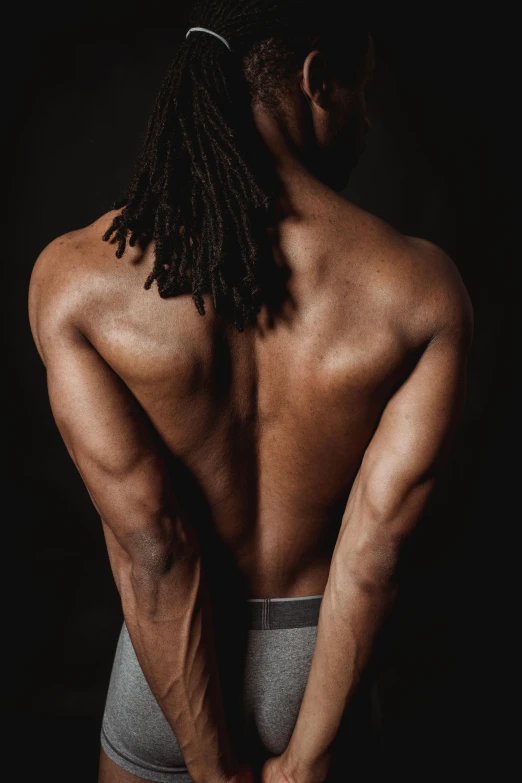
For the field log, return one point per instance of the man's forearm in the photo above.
(352, 610)
(168, 614)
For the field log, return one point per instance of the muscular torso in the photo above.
(264, 430)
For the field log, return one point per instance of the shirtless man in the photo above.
(255, 480)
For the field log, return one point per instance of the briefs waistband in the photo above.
(273, 613)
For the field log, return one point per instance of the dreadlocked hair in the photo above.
(204, 184)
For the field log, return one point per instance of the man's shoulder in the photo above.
(412, 280)
(62, 277)
(442, 299)
(73, 248)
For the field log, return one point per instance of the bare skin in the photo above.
(311, 441)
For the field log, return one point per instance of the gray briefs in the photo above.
(263, 680)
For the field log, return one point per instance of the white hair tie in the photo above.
(211, 32)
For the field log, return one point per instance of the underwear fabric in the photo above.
(263, 671)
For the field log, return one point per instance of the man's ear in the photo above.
(315, 80)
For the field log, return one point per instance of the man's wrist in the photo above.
(299, 769)
(222, 771)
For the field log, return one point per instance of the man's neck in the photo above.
(299, 187)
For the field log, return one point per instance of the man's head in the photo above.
(336, 117)
(314, 83)
(205, 182)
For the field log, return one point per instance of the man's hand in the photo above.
(243, 775)
(281, 769)
(272, 771)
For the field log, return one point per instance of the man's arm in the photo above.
(153, 552)
(387, 498)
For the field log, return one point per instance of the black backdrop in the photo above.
(78, 93)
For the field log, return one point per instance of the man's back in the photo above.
(283, 463)
(264, 430)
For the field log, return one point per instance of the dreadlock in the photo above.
(203, 184)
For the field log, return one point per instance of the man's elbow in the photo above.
(151, 566)
(154, 547)
(374, 560)
(150, 550)
(391, 505)
(154, 567)
(376, 536)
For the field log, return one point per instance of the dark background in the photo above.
(78, 92)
